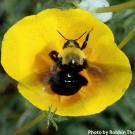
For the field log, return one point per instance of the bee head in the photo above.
(71, 43)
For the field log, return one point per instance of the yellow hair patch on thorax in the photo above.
(67, 54)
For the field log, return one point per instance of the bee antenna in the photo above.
(62, 35)
(80, 36)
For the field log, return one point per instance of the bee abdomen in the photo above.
(64, 83)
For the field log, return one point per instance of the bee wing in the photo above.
(40, 79)
(98, 70)
(94, 69)
(43, 69)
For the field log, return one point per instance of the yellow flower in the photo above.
(25, 57)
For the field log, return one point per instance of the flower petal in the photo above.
(25, 50)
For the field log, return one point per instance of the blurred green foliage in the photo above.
(15, 110)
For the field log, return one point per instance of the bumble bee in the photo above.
(63, 78)
(70, 61)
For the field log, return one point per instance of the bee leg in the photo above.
(85, 63)
(54, 56)
(85, 42)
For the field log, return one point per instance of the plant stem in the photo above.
(30, 124)
(130, 35)
(119, 7)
